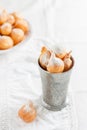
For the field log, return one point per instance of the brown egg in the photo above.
(6, 28)
(60, 51)
(55, 65)
(17, 35)
(16, 15)
(61, 55)
(3, 17)
(22, 24)
(27, 112)
(68, 55)
(67, 64)
(5, 42)
(11, 19)
(67, 61)
(44, 58)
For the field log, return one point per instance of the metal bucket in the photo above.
(54, 88)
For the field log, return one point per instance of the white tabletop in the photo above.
(53, 20)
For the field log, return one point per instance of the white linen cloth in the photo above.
(19, 82)
(19, 75)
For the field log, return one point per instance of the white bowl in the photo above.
(27, 37)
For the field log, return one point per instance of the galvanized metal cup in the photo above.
(54, 88)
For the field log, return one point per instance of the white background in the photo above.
(64, 21)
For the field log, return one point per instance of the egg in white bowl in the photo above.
(15, 31)
(17, 46)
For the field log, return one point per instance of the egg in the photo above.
(11, 19)
(17, 35)
(55, 65)
(22, 24)
(67, 61)
(16, 15)
(59, 51)
(67, 64)
(3, 16)
(27, 112)
(5, 42)
(5, 28)
(44, 58)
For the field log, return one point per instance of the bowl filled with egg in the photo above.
(14, 30)
(55, 65)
